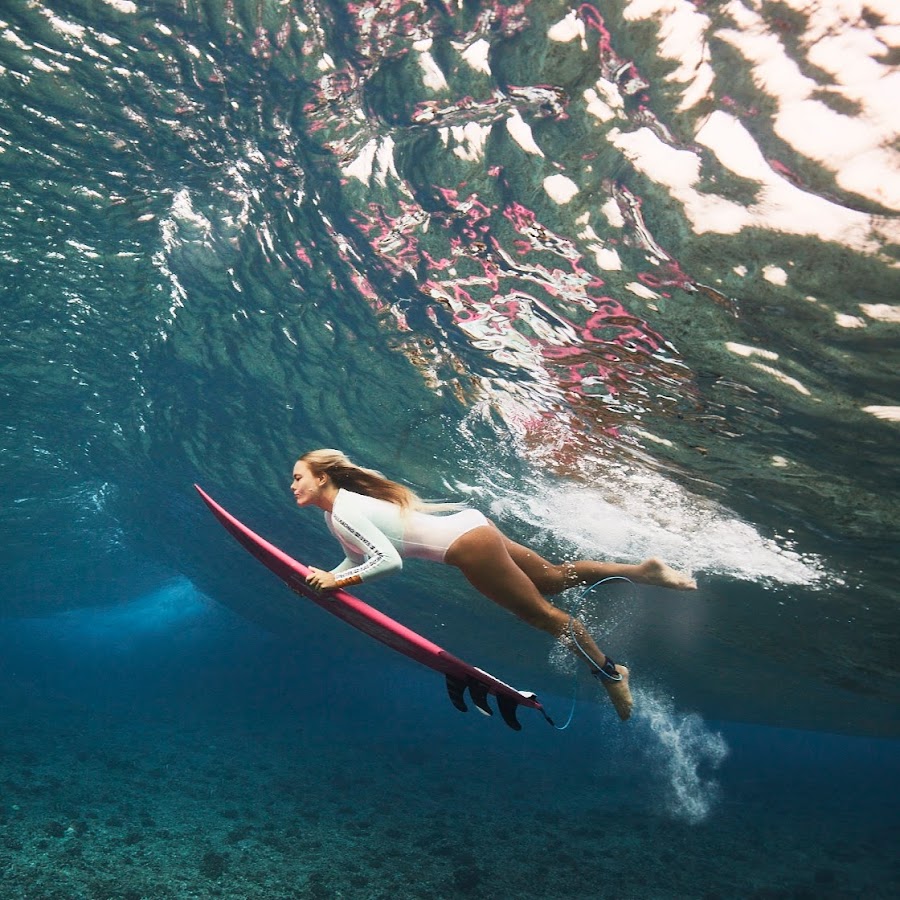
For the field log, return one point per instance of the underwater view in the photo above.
(624, 276)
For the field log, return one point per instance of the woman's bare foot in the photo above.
(655, 571)
(620, 693)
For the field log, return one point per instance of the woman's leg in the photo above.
(482, 556)
(549, 578)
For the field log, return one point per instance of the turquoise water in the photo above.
(623, 276)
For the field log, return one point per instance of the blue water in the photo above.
(622, 276)
(190, 753)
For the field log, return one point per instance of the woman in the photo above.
(379, 523)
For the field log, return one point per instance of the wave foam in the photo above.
(639, 514)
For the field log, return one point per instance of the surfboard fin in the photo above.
(478, 693)
(456, 689)
(508, 709)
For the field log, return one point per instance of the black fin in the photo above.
(478, 693)
(508, 708)
(456, 688)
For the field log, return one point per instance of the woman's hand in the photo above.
(321, 580)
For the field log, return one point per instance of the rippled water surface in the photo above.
(622, 275)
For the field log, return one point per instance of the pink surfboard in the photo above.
(460, 675)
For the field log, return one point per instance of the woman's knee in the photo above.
(552, 579)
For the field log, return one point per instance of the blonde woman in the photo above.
(379, 523)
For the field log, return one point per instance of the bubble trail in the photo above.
(685, 751)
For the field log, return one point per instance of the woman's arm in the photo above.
(364, 540)
(344, 564)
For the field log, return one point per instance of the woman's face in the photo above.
(306, 486)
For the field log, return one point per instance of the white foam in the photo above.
(63, 26)
(597, 108)
(607, 258)
(888, 413)
(560, 188)
(783, 377)
(568, 29)
(857, 149)
(641, 290)
(745, 351)
(683, 33)
(361, 167)
(385, 161)
(781, 205)
(122, 6)
(847, 321)
(860, 149)
(432, 76)
(471, 140)
(631, 514)
(520, 131)
(881, 312)
(477, 56)
(613, 214)
(682, 752)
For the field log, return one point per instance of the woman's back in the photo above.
(412, 533)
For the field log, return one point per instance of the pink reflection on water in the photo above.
(522, 292)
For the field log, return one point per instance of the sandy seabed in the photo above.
(122, 807)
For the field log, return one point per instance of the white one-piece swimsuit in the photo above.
(377, 535)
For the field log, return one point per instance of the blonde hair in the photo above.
(346, 474)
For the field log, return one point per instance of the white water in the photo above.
(632, 514)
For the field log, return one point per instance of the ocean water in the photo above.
(622, 275)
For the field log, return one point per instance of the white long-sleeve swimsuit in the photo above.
(377, 535)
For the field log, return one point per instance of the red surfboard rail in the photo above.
(460, 675)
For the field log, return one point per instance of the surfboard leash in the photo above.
(596, 669)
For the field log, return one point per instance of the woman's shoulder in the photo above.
(349, 501)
